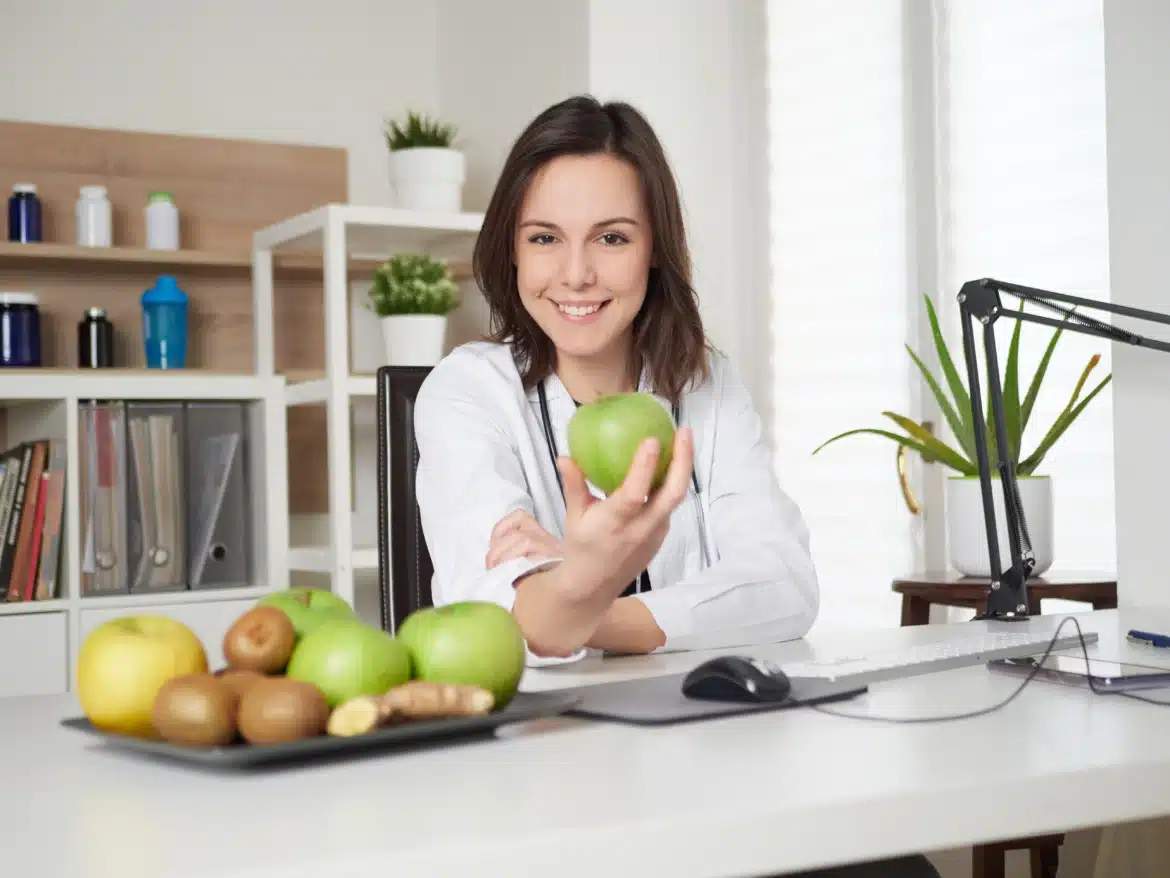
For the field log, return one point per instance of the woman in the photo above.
(583, 260)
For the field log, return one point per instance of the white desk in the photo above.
(758, 795)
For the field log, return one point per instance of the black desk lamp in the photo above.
(1007, 599)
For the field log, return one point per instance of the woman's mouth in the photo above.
(580, 312)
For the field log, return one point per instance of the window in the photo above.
(1021, 101)
(1016, 158)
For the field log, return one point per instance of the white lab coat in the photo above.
(483, 454)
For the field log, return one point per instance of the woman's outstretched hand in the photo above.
(608, 542)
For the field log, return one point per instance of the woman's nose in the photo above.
(577, 269)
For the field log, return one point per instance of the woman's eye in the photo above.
(613, 238)
(541, 239)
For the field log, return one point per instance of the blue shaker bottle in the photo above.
(164, 324)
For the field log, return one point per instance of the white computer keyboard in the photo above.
(963, 650)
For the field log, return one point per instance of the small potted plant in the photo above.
(966, 531)
(413, 294)
(427, 172)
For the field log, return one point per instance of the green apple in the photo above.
(475, 642)
(604, 437)
(345, 658)
(309, 607)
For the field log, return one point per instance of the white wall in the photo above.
(1137, 76)
(696, 69)
(294, 70)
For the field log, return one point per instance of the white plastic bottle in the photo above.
(162, 222)
(95, 218)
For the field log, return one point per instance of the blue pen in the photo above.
(1148, 638)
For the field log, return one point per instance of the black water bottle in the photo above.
(95, 340)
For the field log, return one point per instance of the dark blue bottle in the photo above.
(24, 214)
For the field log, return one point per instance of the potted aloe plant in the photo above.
(427, 172)
(413, 294)
(966, 532)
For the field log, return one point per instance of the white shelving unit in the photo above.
(39, 640)
(343, 232)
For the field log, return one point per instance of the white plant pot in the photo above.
(414, 339)
(967, 533)
(428, 178)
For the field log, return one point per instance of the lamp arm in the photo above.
(1007, 597)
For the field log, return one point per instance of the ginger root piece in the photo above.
(425, 699)
(354, 717)
(414, 700)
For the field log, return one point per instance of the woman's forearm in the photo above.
(559, 609)
(628, 626)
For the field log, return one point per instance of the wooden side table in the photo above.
(921, 590)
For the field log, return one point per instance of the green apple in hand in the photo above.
(604, 437)
(474, 642)
(345, 658)
(309, 607)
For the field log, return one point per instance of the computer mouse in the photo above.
(736, 678)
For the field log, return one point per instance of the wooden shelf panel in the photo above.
(69, 253)
(46, 253)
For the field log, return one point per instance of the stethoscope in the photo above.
(551, 443)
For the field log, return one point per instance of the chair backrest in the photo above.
(404, 564)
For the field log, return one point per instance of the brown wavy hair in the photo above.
(669, 339)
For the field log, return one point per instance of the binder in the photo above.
(155, 507)
(102, 489)
(218, 507)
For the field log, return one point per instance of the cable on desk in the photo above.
(982, 711)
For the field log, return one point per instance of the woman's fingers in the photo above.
(509, 522)
(674, 487)
(630, 496)
(577, 496)
(521, 544)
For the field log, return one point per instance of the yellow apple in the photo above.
(125, 661)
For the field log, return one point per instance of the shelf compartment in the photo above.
(311, 391)
(377, 232)
(319, 559)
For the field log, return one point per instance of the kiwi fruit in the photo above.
(197, 710)
(275, 710)
(261, 640)
(238, 679)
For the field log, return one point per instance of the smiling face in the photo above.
(583, 252)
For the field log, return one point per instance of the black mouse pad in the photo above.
(659, 700)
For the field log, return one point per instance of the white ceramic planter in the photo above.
(414, 339)
(428, 178)
(967, 533)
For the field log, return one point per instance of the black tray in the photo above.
(524, 706)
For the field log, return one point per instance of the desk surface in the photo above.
(750, 795)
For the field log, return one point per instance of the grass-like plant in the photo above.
(418, 129)
(410, 283)
(956, 408)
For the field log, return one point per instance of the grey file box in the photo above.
(155, 509)
(218, 511)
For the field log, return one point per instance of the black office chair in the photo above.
(404, 564)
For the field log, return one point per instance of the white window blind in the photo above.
(840, 290)
(1022, 172)
(1018, 164)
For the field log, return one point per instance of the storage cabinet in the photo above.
(201, 545)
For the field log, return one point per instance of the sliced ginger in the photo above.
(354, 717)
(413, 700)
